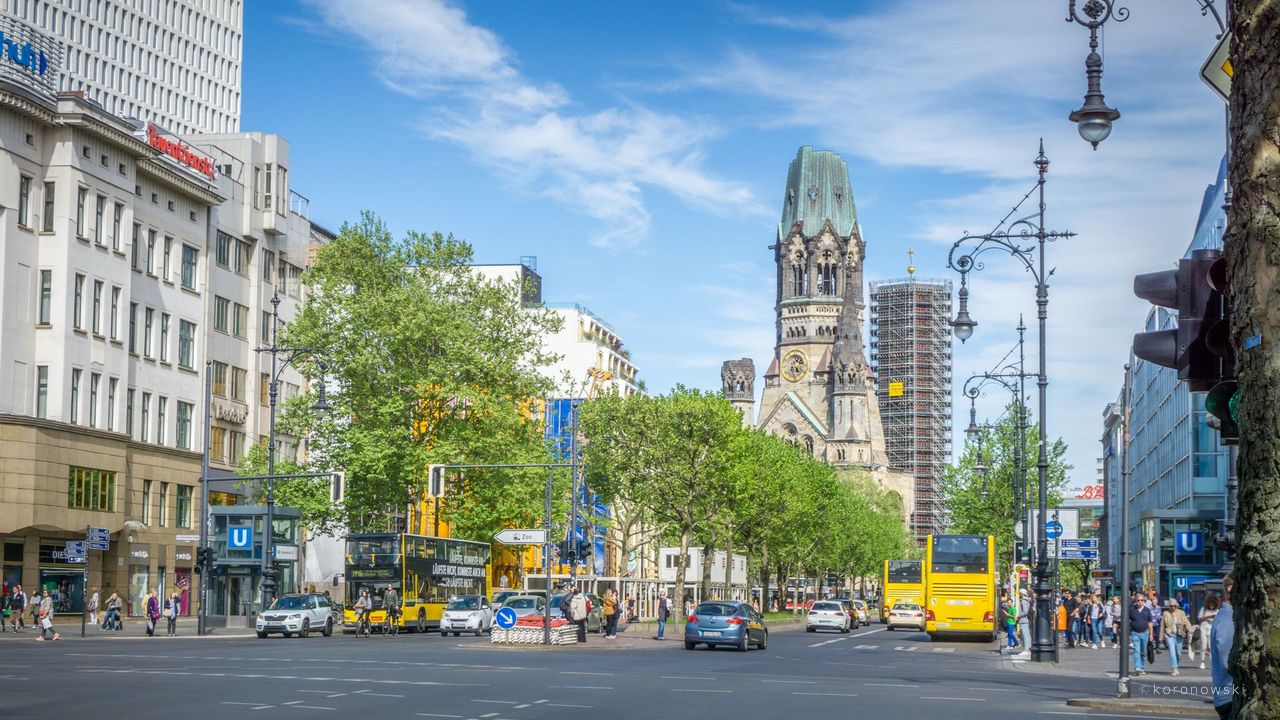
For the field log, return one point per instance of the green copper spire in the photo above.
(818, 190)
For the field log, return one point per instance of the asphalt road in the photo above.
(869, 673)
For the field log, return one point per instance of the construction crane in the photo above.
(595, 379)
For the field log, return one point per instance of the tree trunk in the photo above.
(782, 588)
(681, 564)
(764, 578)
(728, 563)
(1253, 272)
(708, 555)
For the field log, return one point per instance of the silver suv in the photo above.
(297, 613)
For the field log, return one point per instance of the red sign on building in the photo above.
(180, 151)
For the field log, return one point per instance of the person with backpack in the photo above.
(579, 609)
(664, 614)
(172, 607)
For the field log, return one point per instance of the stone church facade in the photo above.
(818, 390)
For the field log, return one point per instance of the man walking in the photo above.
(579, 608)
(1221, 638)
(1140, 633)
(664, 613)
(18, 604)
(1072, 622)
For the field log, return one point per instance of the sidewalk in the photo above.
(134, 628)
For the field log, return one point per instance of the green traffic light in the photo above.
(1233, 406)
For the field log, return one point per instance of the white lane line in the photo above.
(587, 707)
(944, 649)
(582, 687)
(701, 690)
(827, 642)
(489, 715)
(313, 707)
(826, 694)
(497, 702)
(862, 634)
(682, 677)
(579, 672)
(996, 690)
(437, 715)
(1097, 714)
(889, 685)
(521, 707)
(938, 697)
(865, 647)
(793, 682)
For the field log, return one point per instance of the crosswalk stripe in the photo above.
(865, 647)
(944, 649)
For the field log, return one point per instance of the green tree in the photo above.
(962, 484)
(428, 363)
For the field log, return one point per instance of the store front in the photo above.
(1177, 550)
(139, 561)
(63, 580)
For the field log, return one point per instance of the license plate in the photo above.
(710, 633)
(943, 624)
(960, 602)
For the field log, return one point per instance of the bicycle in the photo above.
(390, 626)
(363, 628)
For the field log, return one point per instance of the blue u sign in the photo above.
(240, 537)
(1189, 543)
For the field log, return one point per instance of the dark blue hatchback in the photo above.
(725, 623)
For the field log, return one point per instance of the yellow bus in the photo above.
(425, 572)
(903, 580)
(960, 587)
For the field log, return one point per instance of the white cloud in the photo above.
(597, 163)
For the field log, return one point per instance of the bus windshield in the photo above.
(905, 571)
(959, 554)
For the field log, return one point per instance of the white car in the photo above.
(467, 613)
(860, 609)
(297, 613)
(906, 614)
(829, 614)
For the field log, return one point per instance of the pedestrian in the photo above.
(1072, 624)
(152, 609)
(1184, 603)
(1060, 624)
(631, 610)
(172, 607)
(1175, 629)
(1205, 619)
(112, 619)
(1221, 637)
(46, 618)
(1098, 617)
(664, 613)
(1010, 615)
(1113, 622)
(33, 607)
(1024, 623)
(1140, 632)
(579, 609)
(92, 607)
(17, 604)
(610, 614)
(4, 610)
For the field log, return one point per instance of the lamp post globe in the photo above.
(963, 325)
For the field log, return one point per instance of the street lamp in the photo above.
(273, 392)
(1025, 240)
(1094, 118)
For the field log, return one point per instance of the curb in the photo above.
(1199, 710)
(494, 647)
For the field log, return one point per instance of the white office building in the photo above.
(175, 63)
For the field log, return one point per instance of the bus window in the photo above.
(959, 554)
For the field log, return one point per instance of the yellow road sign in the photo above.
(1217, 69)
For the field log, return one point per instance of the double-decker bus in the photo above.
(425, 572)
(903, 580)
(960, 585)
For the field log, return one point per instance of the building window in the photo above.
(264, 389)
(222, 250)
(128, 412)
(164, 337)
(268, 262)
(135, 249)
(46, 220)
(240, 321)
(282, 191)
(24, 200)
(265, 334)
(42, 391)
(266, 197)
(243, 258)
(238, 379)
(184, 425)
(184, 506)
(96, 319)
(257, 188)
(111, 402)
(77, 306)
(146, 416)
(151, 252)
(219, 378)
(147, 322)
(146, 502)
(98, 212)
(75, 396)
(91, 489)
(115, 313)
(217, 444)
(186, 343)
(166, 257)
(116, 217)
(45, 312)
(81, 196)
(236, 447)
(221, 313)
(295, 281)
(133, 327)
(94, 380)
(162, 409)
(189, 257)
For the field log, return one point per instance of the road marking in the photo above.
(498, 702)
(579, 672)
(582, 687)
(682, 677)
(521, 707)
(937, 697)
(861, 634)
(889, 685)
(826, 694)
(828, 642)
(903, 648)
(995, 690)
(795, 682)
(944, 649)
(703, 690)
(865, 647)
(486, 715)
(437, 715)
(587, 707)
(1096, 714)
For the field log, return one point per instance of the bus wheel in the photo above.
(422, 621)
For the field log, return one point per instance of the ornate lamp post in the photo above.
(1094, 118)
(1024, 239)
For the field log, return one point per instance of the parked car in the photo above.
(526, 604)
(500, 597)
(595, 618)
(906, 614)
(829, 615)
(467, 613)
(297, 613)
(725, 623)
(861, 612)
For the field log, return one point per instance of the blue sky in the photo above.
(639, 150)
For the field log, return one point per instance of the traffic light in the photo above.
(1184, 348)
(1223, 399)
(204, 559)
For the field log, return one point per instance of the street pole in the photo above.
(205, 569)
(546, 556)
(573, 504)
(84, 585)
(1122, 689)
(268, 562)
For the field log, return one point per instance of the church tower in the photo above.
(738, 382)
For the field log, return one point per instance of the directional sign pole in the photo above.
(84, 585)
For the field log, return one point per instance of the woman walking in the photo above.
(46, 618)
(1207, 613)
(92, 608)
(171, 608)
(1175, 627)
(152, 606)
(610, 614)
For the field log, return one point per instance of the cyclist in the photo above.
(391, 601)
(362, 607)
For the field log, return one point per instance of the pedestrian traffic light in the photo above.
(1184, 348)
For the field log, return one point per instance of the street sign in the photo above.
(1078, 555)
(1053, 529)
(240, 537)
(895, 389)
(99, 546)
(521, 537)
(1077, 544)
(284, 552)
(1217, 70)
(1189, 543)
(1069, 518)
(75, 547)
(74, 559)
(98, 535)
(506, 618)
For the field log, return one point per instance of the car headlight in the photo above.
(295, 616)
(474, 616)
